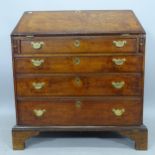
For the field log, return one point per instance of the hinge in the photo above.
(29, 36)
(126, 34)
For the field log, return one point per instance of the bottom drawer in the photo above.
(80, 112)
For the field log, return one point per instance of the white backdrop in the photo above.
(11, 11)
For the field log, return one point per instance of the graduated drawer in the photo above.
(79, 64)
(78, 44)
(80, 112)
(91, 84)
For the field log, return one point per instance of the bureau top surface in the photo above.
(78, 23)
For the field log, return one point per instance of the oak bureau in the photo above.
(79, 71)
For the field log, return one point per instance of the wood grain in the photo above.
(87, 64)
(66, 112)
(91, 44)
(136, 133)
(19, 138)
(78, 22)
(88, 82)
(79, 85)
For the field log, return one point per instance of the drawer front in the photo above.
(115, 84)
(78, 45)
(77, 112)
(79, 64)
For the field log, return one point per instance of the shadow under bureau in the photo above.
(79, 71)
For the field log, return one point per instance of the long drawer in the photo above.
(83, 44)
(90, 84)
(80, 112)
(79, 64)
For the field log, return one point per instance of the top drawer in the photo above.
(85, 44)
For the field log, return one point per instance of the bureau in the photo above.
(79, 71)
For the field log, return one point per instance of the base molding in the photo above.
(139, 134)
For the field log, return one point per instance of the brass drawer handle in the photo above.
(78, 81)
(78, 104)
(118, 112)
(76, 61)
(37, 45)
(39, 112)
(77, 43)
(118, 85)
(38, 86)
(37, 62)
(120, 43)
(119, 61)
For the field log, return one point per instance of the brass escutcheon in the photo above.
(119, 61)
(118, 112)
(37, 62)
(38, 86)
(78, 104)
(78, 81)
(76, 61)
(37, 45)
(118, 85)
(120, 43)
(77, 43)
(39, 112)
